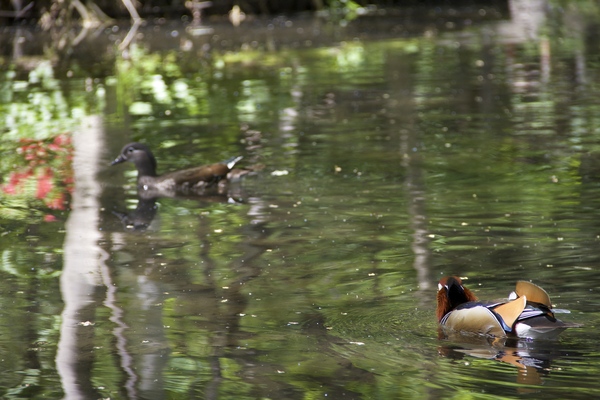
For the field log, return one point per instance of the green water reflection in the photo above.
(390, 161)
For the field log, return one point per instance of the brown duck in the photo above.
(527, 313)
(186, 180)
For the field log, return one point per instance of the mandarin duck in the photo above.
(191, 179)
(528, 312)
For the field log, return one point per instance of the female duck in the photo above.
(177, 181)
(527, 313)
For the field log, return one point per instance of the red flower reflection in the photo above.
(44, 173)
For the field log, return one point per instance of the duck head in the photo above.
(140, 155)
(451, 294)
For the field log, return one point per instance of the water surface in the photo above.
(395, 151)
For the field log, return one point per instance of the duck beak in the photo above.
(118, 160)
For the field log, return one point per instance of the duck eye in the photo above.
(130, 150)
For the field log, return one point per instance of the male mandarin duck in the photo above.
(528, 312)
(183, 180)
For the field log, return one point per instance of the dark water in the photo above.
(400, 149)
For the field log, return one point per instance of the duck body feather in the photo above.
(475, 318)
(188, 179)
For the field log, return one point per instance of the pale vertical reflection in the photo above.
(416, 194)
(80, 277)
(84, 274)
(414, 182)
(527, 17)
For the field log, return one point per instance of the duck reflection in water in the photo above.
(140, 218)
(217, 182)
(533, 359)
(501, 330)
(145, 211)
